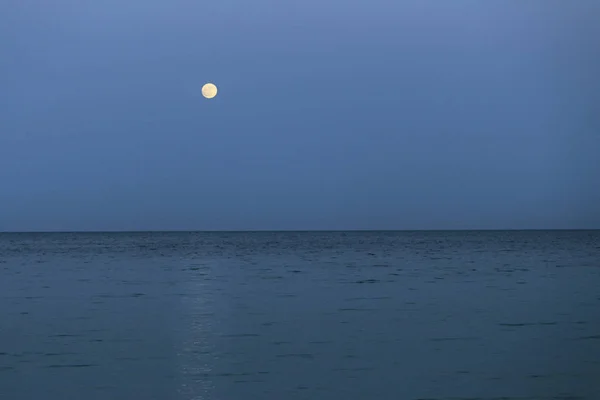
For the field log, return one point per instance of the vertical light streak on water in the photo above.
(196, 350)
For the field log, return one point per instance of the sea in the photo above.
(436, 315)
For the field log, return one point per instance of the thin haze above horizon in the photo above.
(330, 115)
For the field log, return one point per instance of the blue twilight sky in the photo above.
(331, 114)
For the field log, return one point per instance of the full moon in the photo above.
(209, 90)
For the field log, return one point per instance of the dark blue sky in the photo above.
(330, 115)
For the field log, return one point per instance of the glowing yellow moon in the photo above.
(209, 90)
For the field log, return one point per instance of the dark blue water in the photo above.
(355, 315)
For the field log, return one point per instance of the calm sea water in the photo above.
(314, 315)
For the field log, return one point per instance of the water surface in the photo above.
(300, 315)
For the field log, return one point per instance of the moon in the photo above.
(209, 90)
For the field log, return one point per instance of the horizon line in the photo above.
(301, 230)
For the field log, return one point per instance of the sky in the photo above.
(330, 115)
